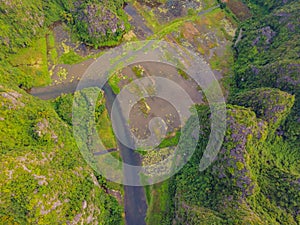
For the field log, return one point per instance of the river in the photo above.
(134, 200)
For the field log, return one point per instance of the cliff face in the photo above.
(268, 55)
(255, 178)
(244, 184)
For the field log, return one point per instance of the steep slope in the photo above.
(268, 55)
(243, 185)
(43, 178)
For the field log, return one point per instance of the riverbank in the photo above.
(212, 41)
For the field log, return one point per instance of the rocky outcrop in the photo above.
(99, 22)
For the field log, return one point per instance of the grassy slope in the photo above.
(273, 202)
(43, 176)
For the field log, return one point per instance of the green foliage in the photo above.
(267, 55)
(114, 81)
(265, 6)
(271, 105)
(160, 203)
(33, 61)
(23, 35)
(53, 11)
(63, 106)
(170, 141)
(23, 53)
(51, 48)
(17, 28)
(183, 74)
(248, 162)
(97, 23)
(138, 71)
(43, 178)
(104, 126)
(70, 58)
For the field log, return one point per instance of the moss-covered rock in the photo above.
(99, 23)
(270, 105)
(233, 186)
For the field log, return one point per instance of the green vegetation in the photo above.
(51, 47)
(33, 61)
(95, 24)
(23, 52)
(63, 106)
(70, 58)
(253, 180)
(269, 104)
(114, 81)
(104, 126)
(148, 15)
(267, 55)
(138, 71)
(183, 74)
(236, 176)
(160, 203)
(43, 176)
(24, 48)
(171, 140)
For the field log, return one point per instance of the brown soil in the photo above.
(190, 31)
(159, 107)
(241, 11)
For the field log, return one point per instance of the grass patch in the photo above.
(114, 81)
(174, 25)
(138, 71)
(148, 193)
(33, 61)
(183, 74)
(71, 57)
(158, 203)
(52, 52)
(105, 130)
(170, 141)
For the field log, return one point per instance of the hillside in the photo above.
(44, 179)
(268, 56)
(255, 178)
(252, 47)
